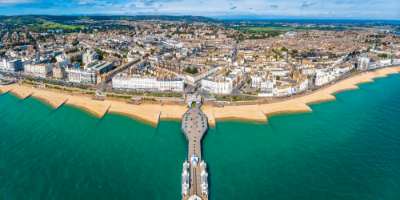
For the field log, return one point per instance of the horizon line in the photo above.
(224, 18)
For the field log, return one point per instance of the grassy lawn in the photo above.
(377, 44)
(266, 28)
(52, 25)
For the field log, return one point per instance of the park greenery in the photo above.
(101, 54)
(164, 95)
(118, 96)
(148, 99)
(53, 59)
(354, 71)
(190, 70)
(30, 83)
(128, 93)
(384, 55)
(234, 99)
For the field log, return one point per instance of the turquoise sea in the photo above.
(346, 149)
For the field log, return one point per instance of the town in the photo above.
(159, 59)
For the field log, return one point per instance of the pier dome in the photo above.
(194, 159)
(195, 197)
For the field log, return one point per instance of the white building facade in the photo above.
(222, 85)
(124, 81)
(41, 70)
(194, 79)
(74, 74)
(323, 77)
(11, 66)
(63, 60)
(363, 63)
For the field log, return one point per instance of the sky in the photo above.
(222, 9)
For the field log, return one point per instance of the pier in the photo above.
(194, 173)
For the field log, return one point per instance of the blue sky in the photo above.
(224, 9)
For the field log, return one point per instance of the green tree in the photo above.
(278, 77)
(383, 55)
(53, 59)
(76, 42)
(190, 70)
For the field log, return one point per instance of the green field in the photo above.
(43, 27)
(265, 28)
(52, 25)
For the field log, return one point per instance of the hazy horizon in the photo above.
(224, 9)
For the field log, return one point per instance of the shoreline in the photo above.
(153, 113)
(45, 101)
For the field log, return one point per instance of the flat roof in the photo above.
(98, 65)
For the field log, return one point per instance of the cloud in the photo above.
(251, 8)
(112, 2)
(5, 3)
(233, 7)
(85, 3)
(151, 2)
(230, 4)
(339, 2)
(132, 6)
(308, 3)
(17, 1)
(161, 5)
(274, 6)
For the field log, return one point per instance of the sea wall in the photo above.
(152, 113)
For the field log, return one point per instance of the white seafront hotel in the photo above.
(323, 77)
(221, 84)
(42, 70)
(123, 81)
(74, 74)
(11, 65)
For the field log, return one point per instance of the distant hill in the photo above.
(32, 19)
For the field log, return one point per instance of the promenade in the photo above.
(152, 113)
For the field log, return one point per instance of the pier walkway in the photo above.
(194, 126)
